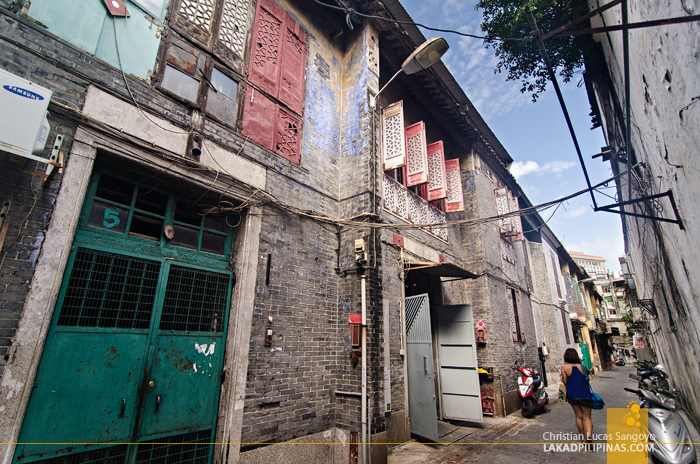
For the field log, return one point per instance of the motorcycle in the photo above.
(620, 361)
(531, 391)
(651, 377)
(671, 440)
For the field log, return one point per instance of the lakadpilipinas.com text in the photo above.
(621, 442)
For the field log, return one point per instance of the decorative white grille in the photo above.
(393, 128)
(435, 168)
(234, 23)
(507, 250)
(198, 12)
(415, 150)
(413, 209)
(454, 181)
(389, 195)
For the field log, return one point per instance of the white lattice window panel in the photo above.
(507, 250)
(393, 144)
(435, 179)
(234, 23)
(198, 12)
(425, 214)
(416, 155)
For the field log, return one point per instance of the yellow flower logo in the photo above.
(632, 417)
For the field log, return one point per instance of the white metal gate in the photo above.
(422, 410)
(460, 395)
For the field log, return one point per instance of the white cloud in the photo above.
(609, 248)
(519, 168)
(575, 212)
(523, 168)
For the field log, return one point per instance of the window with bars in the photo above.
(107, 290)
(206, 74)
(513, 301)
(108, 455)
(188, 448)
(195, 300)
(139, 211)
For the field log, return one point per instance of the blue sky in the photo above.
(535, 134)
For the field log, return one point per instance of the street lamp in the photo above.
(422, 58)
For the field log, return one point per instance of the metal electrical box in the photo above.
(23, 124)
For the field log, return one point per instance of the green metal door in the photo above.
(131, 369)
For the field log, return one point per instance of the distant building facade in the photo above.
(592, 264)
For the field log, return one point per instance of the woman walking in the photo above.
(578, 392)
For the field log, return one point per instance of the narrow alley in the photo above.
(509, 439)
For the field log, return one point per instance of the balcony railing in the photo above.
(408, 206)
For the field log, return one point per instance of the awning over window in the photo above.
(440, 270)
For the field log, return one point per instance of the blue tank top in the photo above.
(577, 386)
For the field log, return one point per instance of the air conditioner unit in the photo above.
(23, 124)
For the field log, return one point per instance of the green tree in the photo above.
(505, 25)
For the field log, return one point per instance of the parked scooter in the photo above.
(620, 361)
(671, 438)
(651, 377)
(531, 391)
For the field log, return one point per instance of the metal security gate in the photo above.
(131, 369)
(460, 395)
(421, 374)
(134, 356)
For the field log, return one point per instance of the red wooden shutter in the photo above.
(503, 207)
(455, 196)
(259, 113)
(393, 144)
(291, 83)
(288, 136)
(436, 171)
(416, 155)
(266, 50)
(515, 221)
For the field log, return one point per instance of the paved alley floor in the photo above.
(516, 439)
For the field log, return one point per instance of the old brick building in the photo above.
(225, 196)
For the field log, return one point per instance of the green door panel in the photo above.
(186, 376)
(76, 21)
(87, 380)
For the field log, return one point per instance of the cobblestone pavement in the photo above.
(516, 439)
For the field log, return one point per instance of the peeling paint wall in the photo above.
(665, 109)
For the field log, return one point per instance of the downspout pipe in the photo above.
(365, 451)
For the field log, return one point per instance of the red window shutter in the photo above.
(503, 207)
(393, 144)
(436, 171)
(455, 196)
(266, 50)
(259, 114)
(416, 155)
(288, 136)
(291, 83)
(515, 221)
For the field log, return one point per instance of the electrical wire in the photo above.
(350, 11)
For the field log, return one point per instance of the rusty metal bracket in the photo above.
(668, 193)
(55, 157)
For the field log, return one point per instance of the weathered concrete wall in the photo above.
(665, 87)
